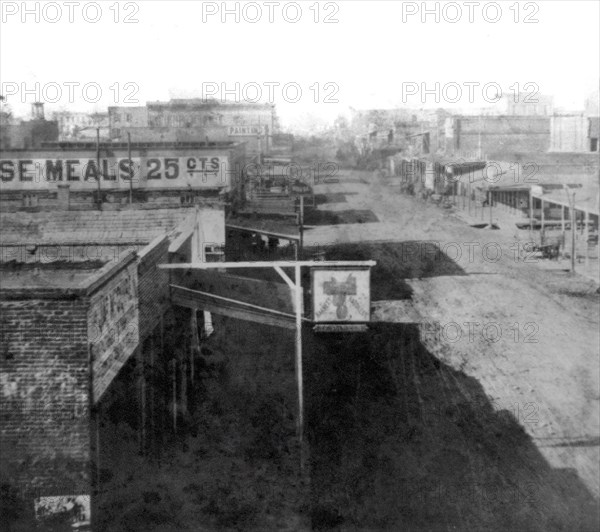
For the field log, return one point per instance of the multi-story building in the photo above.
(76, 126)
(196, 120)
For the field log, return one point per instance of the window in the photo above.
(593, 144)
(30, 200)
(187, 199)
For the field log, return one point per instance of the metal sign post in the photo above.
(299, 374)
(296, 293)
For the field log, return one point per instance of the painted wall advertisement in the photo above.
(341, 295)
(74, 510)
(82, 173)
(113, 327)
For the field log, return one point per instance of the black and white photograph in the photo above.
(299, 266)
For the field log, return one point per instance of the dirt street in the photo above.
(513, 348)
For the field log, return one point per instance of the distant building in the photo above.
(25, 134)
(526, 104)
(76, 126)
(196, 120)
(476, 136)
(577, 132)
(521, 104)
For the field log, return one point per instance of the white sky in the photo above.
(368, 53)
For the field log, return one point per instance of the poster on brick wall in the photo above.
(72, 511)
(113, 327)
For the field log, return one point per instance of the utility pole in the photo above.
(469, 192)
(301, 227)
(571, 200)
(573, 224)
(130, 168)
(479, 140)
(298, 357)
(98, 166)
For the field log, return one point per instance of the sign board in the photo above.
(82, 172)
(75, 509)
(341, 295)
(245, 131)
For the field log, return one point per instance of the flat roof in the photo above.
(91, 145)
(586, 199)
(48, 276)
(92, 227)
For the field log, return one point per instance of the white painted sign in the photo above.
(114, 172)
(341, 295)
(245, 131)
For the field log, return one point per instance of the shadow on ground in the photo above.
(333, 197)
(400, 441)
(352, 216)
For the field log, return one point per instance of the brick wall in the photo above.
(153, 285)
(44, 390)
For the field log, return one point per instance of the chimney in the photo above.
(37, 111)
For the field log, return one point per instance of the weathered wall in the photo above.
(499, 134)
(44, 419)
(153, 286)
(113, 326)
(569, 133)
(28, 134)
(155, 168)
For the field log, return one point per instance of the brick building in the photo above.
(80, 296)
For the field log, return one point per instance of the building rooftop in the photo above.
(586, 198)
(30, 273)
(48, 276)
(90, 227)
(207, 102)
(91, 145)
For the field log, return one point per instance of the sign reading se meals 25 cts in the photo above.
(114, 172)
(341, 295)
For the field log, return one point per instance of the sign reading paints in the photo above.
(341, 295)
(245, 131)
(114, 172)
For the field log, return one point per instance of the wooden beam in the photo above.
(268, 264)
(265, 232)
(201, 301)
